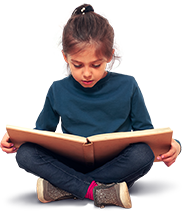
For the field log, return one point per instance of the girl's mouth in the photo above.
(87, 82)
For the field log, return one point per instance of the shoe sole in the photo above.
(40, 190)
(124, 195)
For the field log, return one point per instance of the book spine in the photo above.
(88, 151)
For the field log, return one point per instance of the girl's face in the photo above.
(86, 68)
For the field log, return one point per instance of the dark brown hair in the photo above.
(84, 28)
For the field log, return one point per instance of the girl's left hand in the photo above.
(170, 157)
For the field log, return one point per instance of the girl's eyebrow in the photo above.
(98, 60)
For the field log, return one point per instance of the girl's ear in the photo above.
(65, 57)
(111, 56)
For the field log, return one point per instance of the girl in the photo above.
(90, 101)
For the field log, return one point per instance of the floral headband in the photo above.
(115, 64)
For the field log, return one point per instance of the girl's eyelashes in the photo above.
(77, 66)
(96, 66)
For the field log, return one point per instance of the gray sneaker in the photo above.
(115, 194)
(46, 192)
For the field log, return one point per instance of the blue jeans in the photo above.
(130, 165)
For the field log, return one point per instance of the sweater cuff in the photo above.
(179, 144)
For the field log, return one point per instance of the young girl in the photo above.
(90, 101)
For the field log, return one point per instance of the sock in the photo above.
(89, 194)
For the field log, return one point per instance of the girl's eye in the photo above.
(77, 66)
(96, 66)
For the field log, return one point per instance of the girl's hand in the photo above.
(6, 146)
(170, 157)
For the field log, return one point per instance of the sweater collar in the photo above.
(96, 87)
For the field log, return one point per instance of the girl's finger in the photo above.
(9, 150)
(169, 154)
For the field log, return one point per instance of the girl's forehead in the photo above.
(86, 55)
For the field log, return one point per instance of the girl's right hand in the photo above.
(6, 145)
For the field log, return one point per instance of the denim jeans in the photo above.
(130, 165)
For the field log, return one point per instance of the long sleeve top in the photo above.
(114, 104)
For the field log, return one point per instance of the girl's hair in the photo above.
(85, 28)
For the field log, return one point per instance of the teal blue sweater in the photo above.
(114, 104)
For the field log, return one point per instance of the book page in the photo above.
(119, 135)
(108, 146)
(64, 144)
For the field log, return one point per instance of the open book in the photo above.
(94, 150)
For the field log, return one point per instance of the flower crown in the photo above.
(115, 64)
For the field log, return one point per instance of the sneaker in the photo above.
(115, 194)
(48, 193)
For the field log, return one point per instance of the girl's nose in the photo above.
(87, 73)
